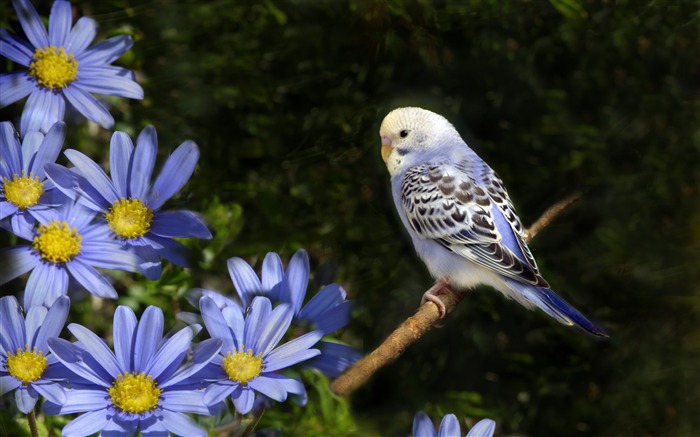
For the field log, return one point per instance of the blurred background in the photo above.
(593, 97)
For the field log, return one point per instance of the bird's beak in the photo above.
(386, 148)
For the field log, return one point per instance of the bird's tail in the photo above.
(548, 301)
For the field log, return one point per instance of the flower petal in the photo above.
(149, 332)
(120, 151)
(91, 279)
(179, 424)
(256, 321)
(11, 148)
(26, 398)
(269, 387)
(16, 261)
(334, 358)
(217, 391)
(80, 362)
(175, 173)
(144, 160)
(272, 272)
(333, 319)
(449, 426)
(216, 324)
(82, 34)
(244, 280)
(12, 329)
(123, 334)
(107, 51)
(108, 255)
(53, 322)
(95, 175)
(46, 283)
(15, 86)
(170, 355)
(89, 423)
(235, 321)
(43, 108)
(31, 23)
(8, 383)
(96, 347)
(185, 401)
(60, 20)
(202, 355)
(292, 352)
(245, 400)
(274, 328)
(15, 48)
(296, 280)
(88, 105)
(179, 224)
(483, 428)
(52, 391)
(101, 80)
(49, 150)
(423, 426)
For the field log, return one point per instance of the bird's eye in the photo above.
(403, 133)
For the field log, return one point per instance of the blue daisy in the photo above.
(67, 244)
(449, 427)
(249, 361)
(139, 386)
(130, 203)
(26, 364)
(61, 67)
(23, 185)
(327, 311)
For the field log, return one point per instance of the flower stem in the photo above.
(256, 419)
(31, 418)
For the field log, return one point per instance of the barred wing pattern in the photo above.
(444, 203)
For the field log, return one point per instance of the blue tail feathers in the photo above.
(555, 306)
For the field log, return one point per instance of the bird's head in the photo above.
(412, 136)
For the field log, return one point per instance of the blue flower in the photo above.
(67, 244)
(249, 362)
(23, 185)
(139, 386)
(26, 364)
(62, 67)
(327, 311)
(130, 203)
(449, 427)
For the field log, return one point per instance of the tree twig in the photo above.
(424, 320)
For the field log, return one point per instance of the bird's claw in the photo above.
(432, 294)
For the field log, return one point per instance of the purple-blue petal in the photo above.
(45, 284)
(120, 150)
(179, 224)
(49, 149)
(123, 334)
(202, 354)
(149, 333)
(423, 426)
(16, 261)
(91, 279)
(273, 329)
(175, 173)
(144, 161)
(31, 23)
(244, 280)
(292, 352)
(15, 86)
(43, 108)
(95, 175)
(272, 271)
(53, 322)
(216, 324)
(60, 20)
(89, 423)
(26, 398)
(13, 333)
(245, 400)
(80, 37)
(96, 347)
(170, 355)
(88, 105)
(52, 391)
(100, 80)
(269, 387)
(179, 424)
(217, 391)
(449, 426)
(106, 52)
(8, 383)
(15, 48)
(256, 321)
(296, 280)
(483, 428)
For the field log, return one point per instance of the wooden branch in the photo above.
(424, 320)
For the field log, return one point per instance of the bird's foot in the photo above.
(432, 294)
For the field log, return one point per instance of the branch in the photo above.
(424, 320)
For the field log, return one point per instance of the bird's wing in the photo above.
(444, 203)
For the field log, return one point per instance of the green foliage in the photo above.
(285, 98)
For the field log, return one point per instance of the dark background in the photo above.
(598, 98)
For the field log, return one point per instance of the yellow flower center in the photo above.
(26, 365)
(129, 218)
(242, 366)
(134, 393)
(23, 191)
(53, 68)
(57, 242)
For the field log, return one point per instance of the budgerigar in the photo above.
(463, 225)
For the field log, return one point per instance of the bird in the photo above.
(462, 223)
